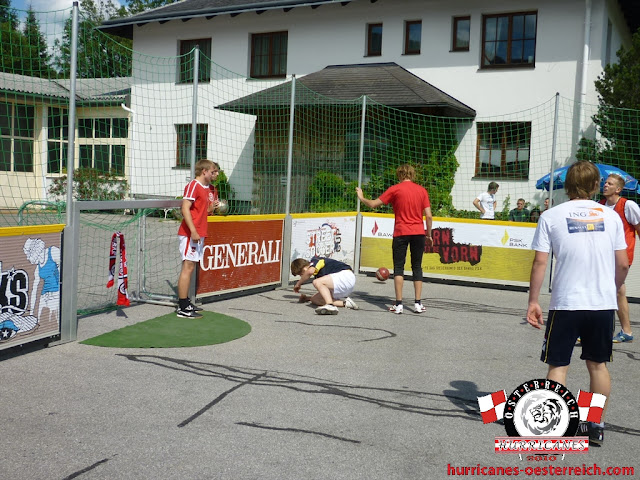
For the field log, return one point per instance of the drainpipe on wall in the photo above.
(585, 66)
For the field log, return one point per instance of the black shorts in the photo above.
(594, 327)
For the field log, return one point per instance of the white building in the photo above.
(501, 60)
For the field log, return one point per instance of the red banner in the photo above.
(239, 255)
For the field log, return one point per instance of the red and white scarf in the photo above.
(123, 294)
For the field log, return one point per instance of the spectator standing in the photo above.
(486, 202)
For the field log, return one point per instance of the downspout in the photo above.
(585, 66)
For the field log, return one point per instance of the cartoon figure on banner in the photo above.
(47, 262)
(323, 241)
(14, 290)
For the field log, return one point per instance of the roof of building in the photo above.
(88, 90)
(187, 9)
(385, 83)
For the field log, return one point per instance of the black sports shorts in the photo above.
(594, 327)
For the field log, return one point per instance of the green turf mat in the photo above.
(170, 331)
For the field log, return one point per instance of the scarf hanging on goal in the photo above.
(123, 294)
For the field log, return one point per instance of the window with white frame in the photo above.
(57, 139)
(103, 144)
(17, 134)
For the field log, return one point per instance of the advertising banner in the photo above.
(30, 259)
(324, 236)
(240, 253)
(478, 250)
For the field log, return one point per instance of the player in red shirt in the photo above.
(410, 203)
(196, 204)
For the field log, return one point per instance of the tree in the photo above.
(8, 15)
(618, 117)
(100, 55)
(137, 6)
(37, 62)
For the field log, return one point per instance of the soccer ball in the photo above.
(223, 208)
(382, 274)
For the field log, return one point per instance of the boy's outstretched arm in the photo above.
(306, 274)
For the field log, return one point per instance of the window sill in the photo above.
(200, 82)
(411, 54)
(528, 66)
(262, 79)
(489, 176)
(455, 50)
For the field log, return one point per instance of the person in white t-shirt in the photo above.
(591, 265)
(486, 202)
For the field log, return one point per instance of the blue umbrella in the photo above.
(560, 174)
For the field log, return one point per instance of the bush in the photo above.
(91, 184)
(329, 193)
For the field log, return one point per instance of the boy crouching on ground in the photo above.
(334, 281)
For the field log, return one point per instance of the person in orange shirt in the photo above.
(630, 215)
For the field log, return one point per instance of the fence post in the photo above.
(286, 232)
(72, 111)
(71, 236)
(70, 262)
(356, 261)
(194, 139)
(546, 286)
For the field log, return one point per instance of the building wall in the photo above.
(335, 34)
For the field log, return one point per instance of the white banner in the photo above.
(324, 236)
(503, 234)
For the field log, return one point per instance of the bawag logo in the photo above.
(541, 416)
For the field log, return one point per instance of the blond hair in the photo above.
(618, 178)
(406, 172)
(202, 165)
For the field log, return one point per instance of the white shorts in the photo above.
(191, 250)
(343, 283)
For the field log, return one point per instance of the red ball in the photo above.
(382, 274)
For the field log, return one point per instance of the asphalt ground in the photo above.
(361, 395)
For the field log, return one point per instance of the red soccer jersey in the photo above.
(199, 196)
(408, 200)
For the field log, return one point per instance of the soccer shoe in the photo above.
(327, 309)
(596, 434)
(622, 337)
(188, 313)
(348, 303)
(195, 307)
(419, 308)
(397, 309)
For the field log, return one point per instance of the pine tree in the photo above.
(14, 48)
(99, 55)
(8, 15)
(37, 63)
(137, 6)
